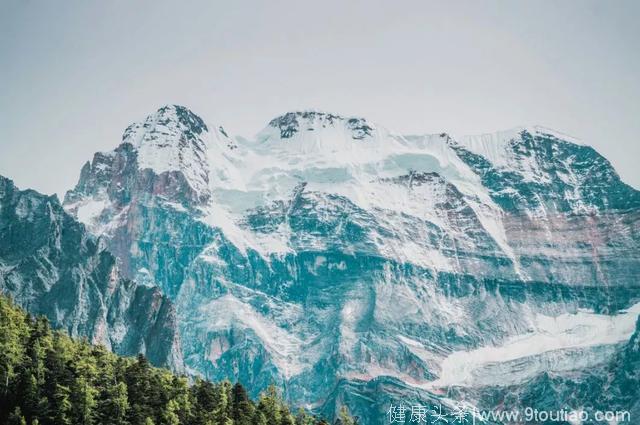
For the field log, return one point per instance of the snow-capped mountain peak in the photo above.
(292, 124)
(175, 139)
(168, 119)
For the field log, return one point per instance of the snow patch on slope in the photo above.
(276, 243)
(90, 210)
(228, 311)
(581, 330)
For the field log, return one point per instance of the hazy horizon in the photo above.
(76, 74)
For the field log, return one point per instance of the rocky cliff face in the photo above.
(351, 264)
(50, 265)
(612, 387)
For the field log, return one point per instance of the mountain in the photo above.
(353, 265)
(51, 266)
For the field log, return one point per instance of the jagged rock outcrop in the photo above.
(50, 265)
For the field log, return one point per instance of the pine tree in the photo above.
(222, 409)
(170, 414)
(203, 394)
(113, 405)
(60, 410)
(16, 418)
(83, 401)
(269, 405)
(179, 388)
(260, 418)
(112, 401)
(13, 332)
(84, 393)
(344, 417)
(303, 418)
(33, 372)
(139, 390)
(286, 416)
(242, 407)
(35, 405)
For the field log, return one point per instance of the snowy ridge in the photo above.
(328, 153)
(540, 129)
(496, 146)
(347, 156)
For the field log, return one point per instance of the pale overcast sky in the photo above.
(74, 74)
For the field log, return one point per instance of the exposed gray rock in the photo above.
(50, 265)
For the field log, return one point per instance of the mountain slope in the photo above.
(51, 379)
(51, 266)
(330, 254)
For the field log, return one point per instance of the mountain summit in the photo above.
(294, 122)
